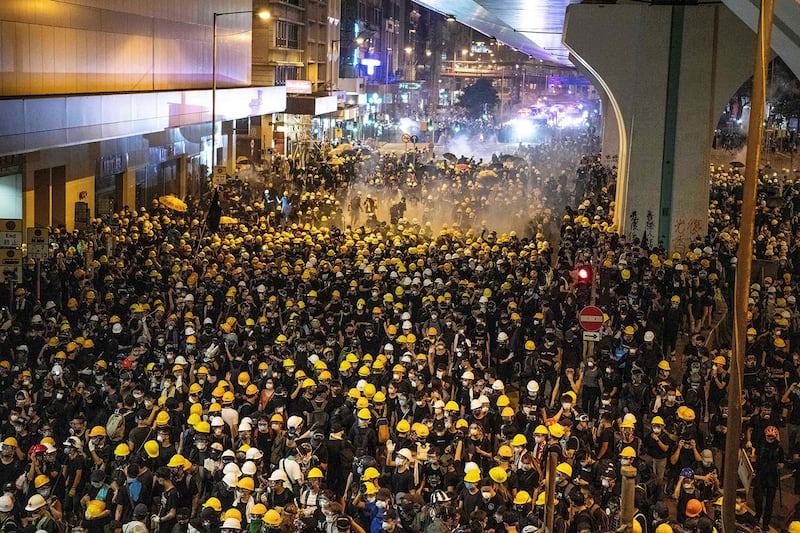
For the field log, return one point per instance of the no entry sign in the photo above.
(591, 318)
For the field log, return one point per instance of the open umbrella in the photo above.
(737, 164)
(487, 174)
(174, 203)
(228, 220)
(450, 157)
(342, 148)
(462, 166)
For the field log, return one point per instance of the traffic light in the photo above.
(584, 274)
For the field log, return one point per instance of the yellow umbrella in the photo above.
(342, 147)
(337, 161)
(174, 203)
(228, 220)
(487, 174)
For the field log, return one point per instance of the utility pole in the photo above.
(744, 264)
(550, 494)
(628, 497)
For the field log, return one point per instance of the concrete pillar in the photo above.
(610, 132)
(667, 72)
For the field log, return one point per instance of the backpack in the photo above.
(115, 427)
(382, 427)
(319, 417)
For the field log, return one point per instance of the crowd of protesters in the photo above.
(356, 349)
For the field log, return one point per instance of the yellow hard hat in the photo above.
(473, 476)
(522, 498)
(258, 509)
(370, 473)
(176, 461)
(214, 503)
(246, 483)
(151, 448)
(627, 451)
(519, 440)
(498, 475)
(162, 419)
(122, 450)
(272, 518)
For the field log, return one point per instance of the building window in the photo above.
(283, 73)
(288, 35)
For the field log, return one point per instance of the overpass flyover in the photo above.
(665, 73)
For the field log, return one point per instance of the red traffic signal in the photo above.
(584, 274)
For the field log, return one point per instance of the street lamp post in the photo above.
(263, 15)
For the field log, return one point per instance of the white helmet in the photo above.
(533, 386)
(294, 422)
(279, 475)
(467, 375)
(502, 336)
(245, 426)
(253, 453)
(230, 479)
(231, 523)
(232, 468)
(440, 496)
(35, 502)
(217, 421)
(6, 503)
(249, 468)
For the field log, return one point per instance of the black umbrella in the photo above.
(737, 164)
(450, 157)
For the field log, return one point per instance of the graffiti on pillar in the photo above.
(634, 216)
(648, 228)
(684, 231)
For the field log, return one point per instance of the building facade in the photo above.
(108, 102)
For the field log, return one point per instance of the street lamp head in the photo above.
(359, 40)
(428, 53)
(264, 14)
(408, 49)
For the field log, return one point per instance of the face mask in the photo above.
(558, 479)
(657, 430)
(590, 364)
(160, 438)
(671, 398)
(44, 493)
(625, 462)
(329, 518)
(469, 486)
(566, 406)
(97, 484)
(526, 466)
(380, 504)
(706, 463)
(386, 525)
(400, 461)
(201, 445)
(606, 483)
(486, 495)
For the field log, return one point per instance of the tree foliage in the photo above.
(478, 98)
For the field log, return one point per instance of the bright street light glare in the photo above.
(264, 15)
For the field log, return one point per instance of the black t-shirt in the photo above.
(169, 501)
(403, 481)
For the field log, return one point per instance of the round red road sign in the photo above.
(591, 318)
